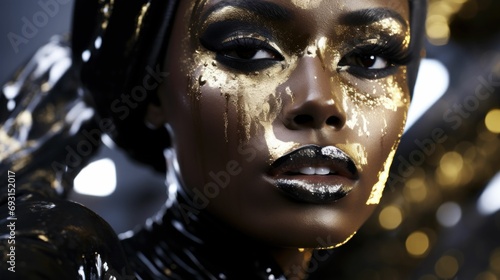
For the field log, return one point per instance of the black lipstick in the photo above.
(314, 174)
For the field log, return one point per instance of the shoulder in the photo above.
(58, 239)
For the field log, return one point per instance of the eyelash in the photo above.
(240, 43)
(391, 51)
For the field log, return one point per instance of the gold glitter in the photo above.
(307, 4)
(339, 244)
(391, 97)
(290, 93)
(392, 26)
(357, 152)
(383, 175)
(384, 129)
(319, 49)
(258, 100)
(350, 92)
(254, 96)
(276, 147)
(250, 94)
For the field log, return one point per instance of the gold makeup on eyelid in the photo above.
(391, 25)
(379, 31)
(249, 35)
(226, 13)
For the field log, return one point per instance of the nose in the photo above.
(317, 100)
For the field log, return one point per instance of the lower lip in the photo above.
(316, 189)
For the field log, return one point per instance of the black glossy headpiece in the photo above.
(115, 43)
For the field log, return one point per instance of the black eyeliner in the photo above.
(391, 49)
(228, 36)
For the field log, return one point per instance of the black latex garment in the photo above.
(45, 115)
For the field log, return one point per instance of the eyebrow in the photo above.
(267, 10)
(369, 16)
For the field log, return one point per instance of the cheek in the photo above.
(376, 114)
(249, 104)
(374, 107)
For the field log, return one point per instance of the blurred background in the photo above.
(440, 215)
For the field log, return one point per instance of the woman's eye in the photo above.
(248, 49)
(250, 54)
(372, 62)
(245, 53)
(369, 65)
(375, 61)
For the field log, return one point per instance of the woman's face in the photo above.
(286, 113)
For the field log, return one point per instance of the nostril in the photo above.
(333, 121)
(303, 119)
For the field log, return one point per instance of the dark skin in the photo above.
(247, 87)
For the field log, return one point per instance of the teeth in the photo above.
(308, 170)
(315, 171)
(322, 171)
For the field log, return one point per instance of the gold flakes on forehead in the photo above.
(307, 4)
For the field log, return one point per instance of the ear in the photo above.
(155, 118)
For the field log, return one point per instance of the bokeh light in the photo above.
(415, 190)
(417, 243)
(450, 169)
(492, 121)
(446, 267)
(439, 15)
(495, 260)
(390, 217)
(449, 214)
(487, 275)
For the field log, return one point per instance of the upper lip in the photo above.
(315, 159)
